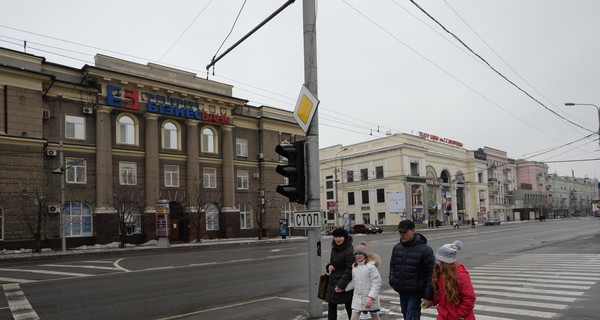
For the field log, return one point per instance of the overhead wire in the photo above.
(494, 69)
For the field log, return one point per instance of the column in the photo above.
(152, 164)
(103, 159)
(230, 216)
(193, 168)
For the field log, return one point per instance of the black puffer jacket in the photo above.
(411, 267)
(342, 258)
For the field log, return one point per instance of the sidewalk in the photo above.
(150, 245)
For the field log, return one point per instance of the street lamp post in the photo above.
(336, 180)
(571, 104)
(61, 170)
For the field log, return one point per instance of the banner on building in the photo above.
(397, 202)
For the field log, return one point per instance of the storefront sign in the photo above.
(119, 97)
(440, 139)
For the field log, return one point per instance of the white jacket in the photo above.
(366, 282)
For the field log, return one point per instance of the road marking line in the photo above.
(18, 304)
(525, 296)
(78, 266)
(48, 272)
(16, 280)
(528, 278)
(533, 290)
(117, 265)
(523, 303)
(218, 308)
(530, 284)
(520, 312)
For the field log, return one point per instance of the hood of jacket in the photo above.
(416, 240)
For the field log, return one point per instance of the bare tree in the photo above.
(33, 211)
(128, 203)
(199, 202)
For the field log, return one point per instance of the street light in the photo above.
(571, 104)
(337, 212)
(61, 170)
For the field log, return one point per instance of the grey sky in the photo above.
(382, 65)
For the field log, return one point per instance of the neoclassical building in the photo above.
(421, 177)
(72, 140)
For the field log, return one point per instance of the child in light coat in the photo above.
(366, 282)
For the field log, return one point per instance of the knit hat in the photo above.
(447, 252)
(340, 232)
(361, 249)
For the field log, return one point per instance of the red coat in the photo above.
(462, 310)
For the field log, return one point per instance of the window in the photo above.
(75, 170)
(133, 219)
(365, 196)
(245, 221)
(329, 195)
(170, 136)
(351, 198)
(128, 173)
(127, 130)
(380, 195)
(241, 147)
(212, 217)
(208, 140)
(364, 174)
(171, 176)
(1, 223)
(75, 127)
(209, 177)
(78, 219)
(379, 172)
(242, 179)
(414, 168)
(329, 184)
(366, 217)
(349, 176)
(380, 218)
(480, 177)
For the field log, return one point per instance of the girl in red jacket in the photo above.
(452, 288)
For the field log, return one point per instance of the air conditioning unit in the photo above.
(51, 152)
(54, 209)
(88, 110)
(45, 114)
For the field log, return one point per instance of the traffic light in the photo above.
(293, 170)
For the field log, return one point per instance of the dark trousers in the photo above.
(411, 306)
(332, 310)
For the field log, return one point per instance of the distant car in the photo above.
(492, 221)
(365, 228)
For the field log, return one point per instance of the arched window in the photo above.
(209, 140)
(127, 130)
(212, 217)
(245, 216)
(78, 219)
(171, 136)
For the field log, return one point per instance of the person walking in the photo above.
(453, 291)
(472, 222)
(411, 269)
(456, 225)
(339, 269)
(366, 282)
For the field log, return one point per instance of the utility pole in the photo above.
(309, 19)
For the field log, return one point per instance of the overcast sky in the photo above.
(382, 65)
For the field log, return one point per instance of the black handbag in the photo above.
(323, 282)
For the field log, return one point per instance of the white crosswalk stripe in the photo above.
(532, 286)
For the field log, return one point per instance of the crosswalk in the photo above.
(531, 286)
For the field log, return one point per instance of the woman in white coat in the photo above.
(366, 282)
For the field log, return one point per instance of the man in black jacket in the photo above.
(411, 268)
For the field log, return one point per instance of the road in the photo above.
(532, 270)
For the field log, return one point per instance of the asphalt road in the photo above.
(269, 280)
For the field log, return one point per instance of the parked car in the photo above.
(491, 222)
(365, 228)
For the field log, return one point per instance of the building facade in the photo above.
(424, 178)
(80, 145)
(502, 173)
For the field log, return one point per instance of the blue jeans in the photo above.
(411, 306)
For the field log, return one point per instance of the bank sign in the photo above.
(127, 98)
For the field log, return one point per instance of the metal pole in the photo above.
(62, 197)
(312, 155)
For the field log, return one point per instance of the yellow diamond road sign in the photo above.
(306, 106)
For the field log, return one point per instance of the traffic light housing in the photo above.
(295, 190)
